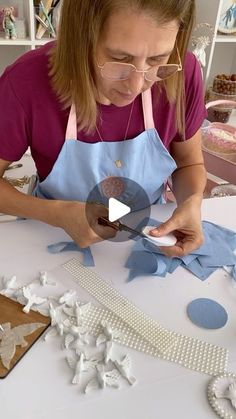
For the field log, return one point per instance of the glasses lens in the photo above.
(116, 71)
(162, 72)
(165, 71)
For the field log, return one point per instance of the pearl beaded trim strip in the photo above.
(119, 305)
(140, 331)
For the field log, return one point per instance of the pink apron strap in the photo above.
(147, 109)
(71, 129)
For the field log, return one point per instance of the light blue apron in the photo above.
(81, 166)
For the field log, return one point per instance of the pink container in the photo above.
(220, 138)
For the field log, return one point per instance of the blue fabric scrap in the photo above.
(207, 313)
(70, 246)
(218, 250)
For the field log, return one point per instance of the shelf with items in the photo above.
(219, 58)
(225, 38)
(25, 11)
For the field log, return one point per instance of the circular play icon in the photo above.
(121, 207)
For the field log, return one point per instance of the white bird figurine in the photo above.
(229, 393)
(9, 286)
(67, 297)
(103, 379)
(78, 311)
(77, 365)
(124, 369)
(31, 299)
(112, 334)
(43, 279)
(78, 335)
(55, 314)
(108, 351)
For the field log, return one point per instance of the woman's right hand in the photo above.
(80, 221)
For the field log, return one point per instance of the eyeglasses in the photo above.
(116, 71)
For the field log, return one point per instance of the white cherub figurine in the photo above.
(8, 23)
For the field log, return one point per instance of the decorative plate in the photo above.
(221, 394)
(227, 22)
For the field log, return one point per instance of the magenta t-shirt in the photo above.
(32, 116)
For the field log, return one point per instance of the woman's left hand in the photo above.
(185, 224)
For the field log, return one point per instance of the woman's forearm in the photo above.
(14, 202)
(189, 181)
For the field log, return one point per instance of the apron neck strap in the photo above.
(147, 109)
(71, 130)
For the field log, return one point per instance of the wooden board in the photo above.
(11, 312)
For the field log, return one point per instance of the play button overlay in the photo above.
(117, 209)
(118, 199)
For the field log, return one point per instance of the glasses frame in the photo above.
(179, 67)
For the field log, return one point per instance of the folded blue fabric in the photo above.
(67, 246)
(217, 251)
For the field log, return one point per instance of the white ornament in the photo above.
(108, 351)
(102, 338)
(228, 393)
(111, 334)
(78, 311)
(124, 369)
(43, 279)
(77, 365)
(103, 379)
(9, 286)
(67, 297)
(222, 395)
(31, 299)
(51, 333)
(55, 314)
(199, 50)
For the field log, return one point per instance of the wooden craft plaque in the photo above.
(11, 312)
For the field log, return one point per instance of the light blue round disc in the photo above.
(207, 313)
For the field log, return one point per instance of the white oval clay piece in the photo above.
(168, 240)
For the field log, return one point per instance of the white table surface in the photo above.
(39, 385)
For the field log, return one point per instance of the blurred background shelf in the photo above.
(221, 54)
(25, 10)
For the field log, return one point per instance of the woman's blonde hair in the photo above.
(72, 59)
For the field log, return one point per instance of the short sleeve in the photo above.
(195, 111)
(14, 139)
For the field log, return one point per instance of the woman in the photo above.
(117, 95)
